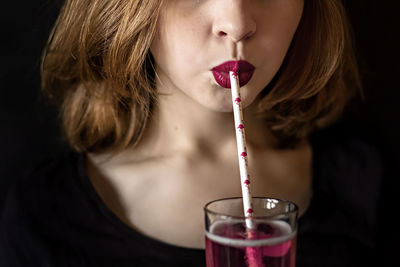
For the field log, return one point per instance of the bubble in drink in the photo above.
(227, 242)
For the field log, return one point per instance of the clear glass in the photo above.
(270, 242)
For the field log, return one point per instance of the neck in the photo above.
(180, 124)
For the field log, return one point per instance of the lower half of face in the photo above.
(186, 50)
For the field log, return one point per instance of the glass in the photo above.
(271, 242)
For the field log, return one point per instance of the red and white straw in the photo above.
(241, 148)
(253, 255)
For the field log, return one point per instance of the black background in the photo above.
(29, 126)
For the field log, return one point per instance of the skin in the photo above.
(195, 36)
(188, 156)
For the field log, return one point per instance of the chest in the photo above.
(165, 201)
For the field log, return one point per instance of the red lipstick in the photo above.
(243, 68)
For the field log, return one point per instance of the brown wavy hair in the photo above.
(98, 68)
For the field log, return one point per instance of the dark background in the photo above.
(29, 125)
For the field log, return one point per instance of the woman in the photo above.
(141, 89)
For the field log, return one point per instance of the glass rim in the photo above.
(241, 217)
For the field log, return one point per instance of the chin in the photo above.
(219, 107)
(225, 106)
(220, 99)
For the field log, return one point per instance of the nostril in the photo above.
(222, 34)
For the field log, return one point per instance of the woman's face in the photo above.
(194, 36)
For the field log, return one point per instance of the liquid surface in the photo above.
(231, 244)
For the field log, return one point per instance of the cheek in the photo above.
(277, 33)
(280, 21)
(178, 42)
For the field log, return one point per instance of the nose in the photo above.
(234, 20)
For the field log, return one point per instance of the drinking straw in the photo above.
(241, 149)
(252, 253)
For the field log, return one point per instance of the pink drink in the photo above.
(274, 244)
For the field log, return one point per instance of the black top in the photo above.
(54, 217)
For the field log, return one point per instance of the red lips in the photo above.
(243, 68)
